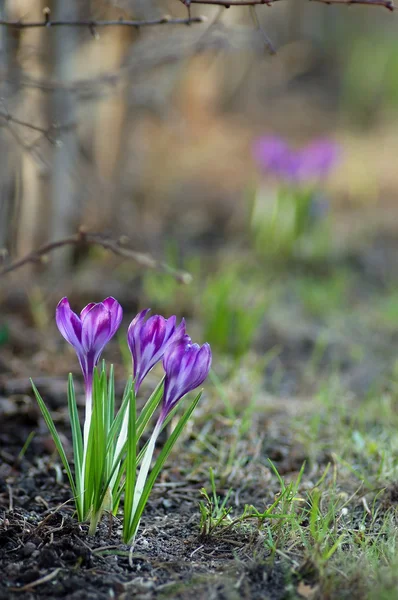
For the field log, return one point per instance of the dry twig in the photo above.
(389, 4)
(40, 581)
(92, 24)
(46, 132)
(82, 238)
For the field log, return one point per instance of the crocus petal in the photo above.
(86, 309)
(318, 159)
(148, 340)
(179, 333)
(186, 365)
(133, 338)
(269, 151)
(96, 327)
(274, 156)
(69, 324)
(201, 367)
(176, 352)
(116, 313)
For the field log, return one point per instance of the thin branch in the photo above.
(389, 4)
(267, 41)
(46, 132)
(82, 238)
(92, 25)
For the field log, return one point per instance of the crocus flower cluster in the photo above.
(186, 364)
(308, 164)
(109, 452)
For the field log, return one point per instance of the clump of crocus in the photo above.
(282, 219)
(109, 452)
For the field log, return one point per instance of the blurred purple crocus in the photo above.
(296, 166)
(148, 340)
(89, 334)
(186, 366)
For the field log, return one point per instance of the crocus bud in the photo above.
(89, 333)
(148, 340)
(186, 365)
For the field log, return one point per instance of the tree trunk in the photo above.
(64, 198)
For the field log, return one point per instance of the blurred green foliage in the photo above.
(4, 334)
(387, 309)
(166, 294)
(370, 78)
(232, 308)
(284, 225)
(324, 296)
(229, 303)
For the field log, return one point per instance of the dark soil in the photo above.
(46, 553)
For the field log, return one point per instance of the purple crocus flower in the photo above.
(296, 166)
(89, 334)
(272, 154)
(148, 340)
(186, 366)
(317, 159)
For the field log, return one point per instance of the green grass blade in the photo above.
(279, 478)
(139, 458)
(118, 420)
(149, 408)
(58, 444)
(110, 408)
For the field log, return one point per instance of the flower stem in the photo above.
(144, 469)
(121, 440)
(86, 432)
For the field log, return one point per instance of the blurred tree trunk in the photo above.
(110, 128)
(33, 211)
(8, 155)
(65, 212)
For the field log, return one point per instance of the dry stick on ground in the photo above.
(389, 4)
(96, 239)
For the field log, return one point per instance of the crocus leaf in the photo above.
(58, 444)
(130, 532)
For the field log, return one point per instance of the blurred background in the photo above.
(148, 133)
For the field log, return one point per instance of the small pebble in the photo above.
(28, 549)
